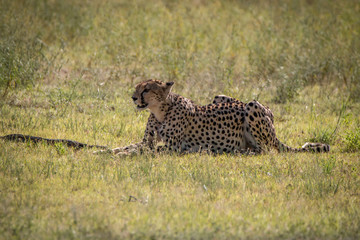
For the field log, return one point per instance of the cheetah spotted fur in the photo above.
(227, 125)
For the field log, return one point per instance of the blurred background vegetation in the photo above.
(248, 49)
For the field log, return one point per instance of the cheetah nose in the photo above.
(134, 98)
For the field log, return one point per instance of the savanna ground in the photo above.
(68, 68)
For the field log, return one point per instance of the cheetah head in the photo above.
(151, 93)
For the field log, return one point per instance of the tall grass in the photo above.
(227, 45)
(20, 50)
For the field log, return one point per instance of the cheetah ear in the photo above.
(168, 86)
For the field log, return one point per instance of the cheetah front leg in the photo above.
(172, 136)
(151, 137)
(128, 150)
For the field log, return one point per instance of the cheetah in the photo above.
(225, 126)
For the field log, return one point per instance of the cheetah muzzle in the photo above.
(142, 107)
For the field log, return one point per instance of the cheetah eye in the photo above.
(146, 90)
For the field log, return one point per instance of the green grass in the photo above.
(68, 68)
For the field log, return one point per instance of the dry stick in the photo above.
(132, 199)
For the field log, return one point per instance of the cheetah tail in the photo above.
(307, 147)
